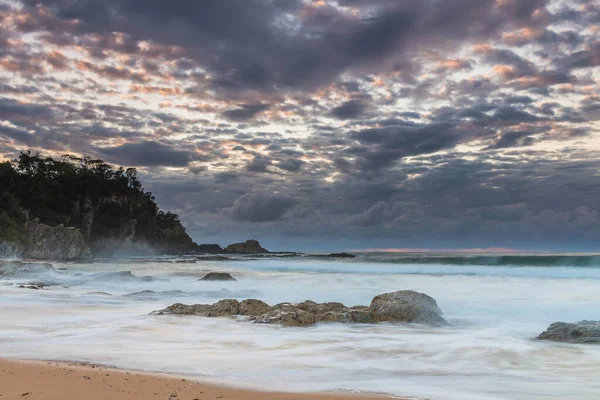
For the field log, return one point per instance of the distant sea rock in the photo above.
(341, 255)
(579, 332)
(62, 243)
(217, 276)
(402, 306)
(248, 247)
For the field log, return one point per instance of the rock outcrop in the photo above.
(248, 247)
(579, 332)
(407, 306)
(217, 276)
(403, 306)
(45, 242)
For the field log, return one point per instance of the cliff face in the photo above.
(54, 243)
(57, 209)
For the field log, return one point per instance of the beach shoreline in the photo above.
(59, 380)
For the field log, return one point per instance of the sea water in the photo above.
(496, 306)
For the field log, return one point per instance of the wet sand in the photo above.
(42, 380)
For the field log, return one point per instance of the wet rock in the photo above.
(579, 332)
(286, 314)
(54, 243)
(403, 306)
(248, 247)
(222, 308)
(407, 306)
(217, 276)
(253, 307)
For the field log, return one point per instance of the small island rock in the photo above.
(217, 276)
(248, 247)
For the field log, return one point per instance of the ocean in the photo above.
(496, 305)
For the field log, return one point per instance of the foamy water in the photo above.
(93, 314)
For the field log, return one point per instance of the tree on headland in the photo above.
(75, 190)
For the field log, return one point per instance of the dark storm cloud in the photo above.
(12, 109)
(384, 146)
(249, 45)
(148, 154)
(349, 110)
(245, 112)
(291, 165)
(261, 207)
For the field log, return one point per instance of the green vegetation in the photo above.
(88, 194)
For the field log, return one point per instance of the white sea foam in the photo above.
(488, 352)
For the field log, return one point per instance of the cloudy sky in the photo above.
(330, 124)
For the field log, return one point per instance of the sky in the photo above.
(324, 125)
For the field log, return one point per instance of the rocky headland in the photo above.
(75, 208)
(402, 306)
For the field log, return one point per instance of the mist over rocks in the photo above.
(583, 332)
(402, 306)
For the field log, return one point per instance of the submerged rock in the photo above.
(248, 247)
(217, 276)
(403, 306)
(579, 332)
(407, 306)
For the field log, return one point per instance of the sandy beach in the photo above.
(37, 380)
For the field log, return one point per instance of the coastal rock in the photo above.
(225, 307)
(286, 314)
(54, 243)
(10, 269)
(404, 306)
(407, 306)
(248, 247)
(341, 255)
(253, 307)
(579, 332)
(217, 276)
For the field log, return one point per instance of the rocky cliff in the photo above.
(72, 207)
(54, 243)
